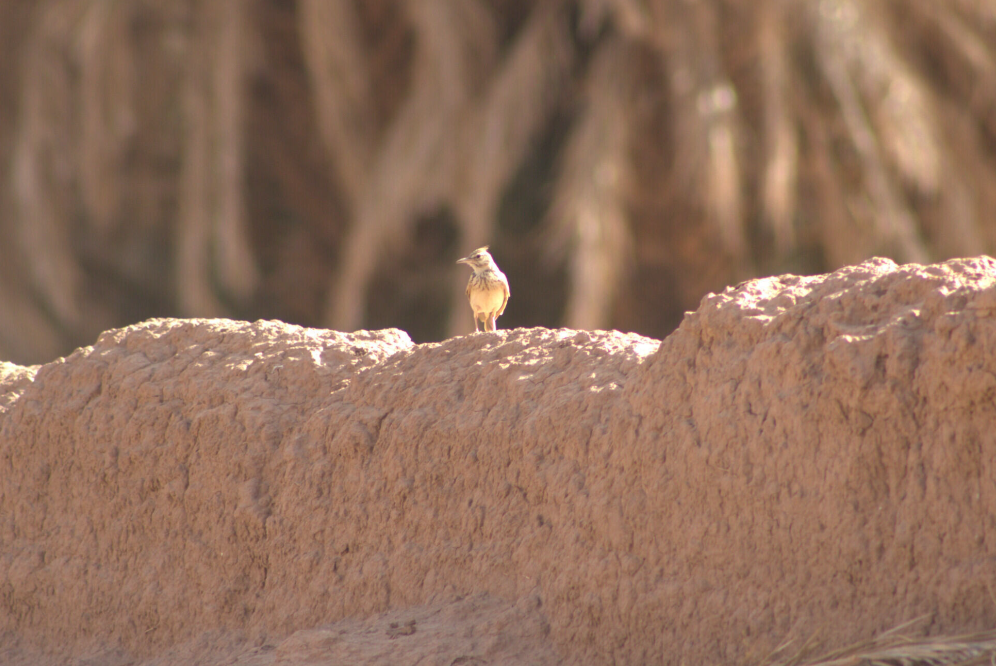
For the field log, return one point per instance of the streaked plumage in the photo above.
(487, 289)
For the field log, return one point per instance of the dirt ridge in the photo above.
(805, 455)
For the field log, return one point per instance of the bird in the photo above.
(487, 288)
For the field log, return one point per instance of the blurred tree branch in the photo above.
(327, 162)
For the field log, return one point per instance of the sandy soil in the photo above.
(805, 456)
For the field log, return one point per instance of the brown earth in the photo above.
(805, 456)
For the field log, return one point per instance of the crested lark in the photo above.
(487, 289)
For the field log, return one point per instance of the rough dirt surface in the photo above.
(805, 456)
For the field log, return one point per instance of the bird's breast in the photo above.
(486, 300)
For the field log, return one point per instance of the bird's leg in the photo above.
(477, 327)
(494, 322)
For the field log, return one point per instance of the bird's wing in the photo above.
(504, 302)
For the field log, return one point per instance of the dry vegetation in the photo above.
(895, 648)
(326, 162)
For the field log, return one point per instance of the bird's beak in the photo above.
(465, 260)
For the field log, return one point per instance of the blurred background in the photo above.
(325, 162)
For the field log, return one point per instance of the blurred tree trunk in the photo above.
(325, 163)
